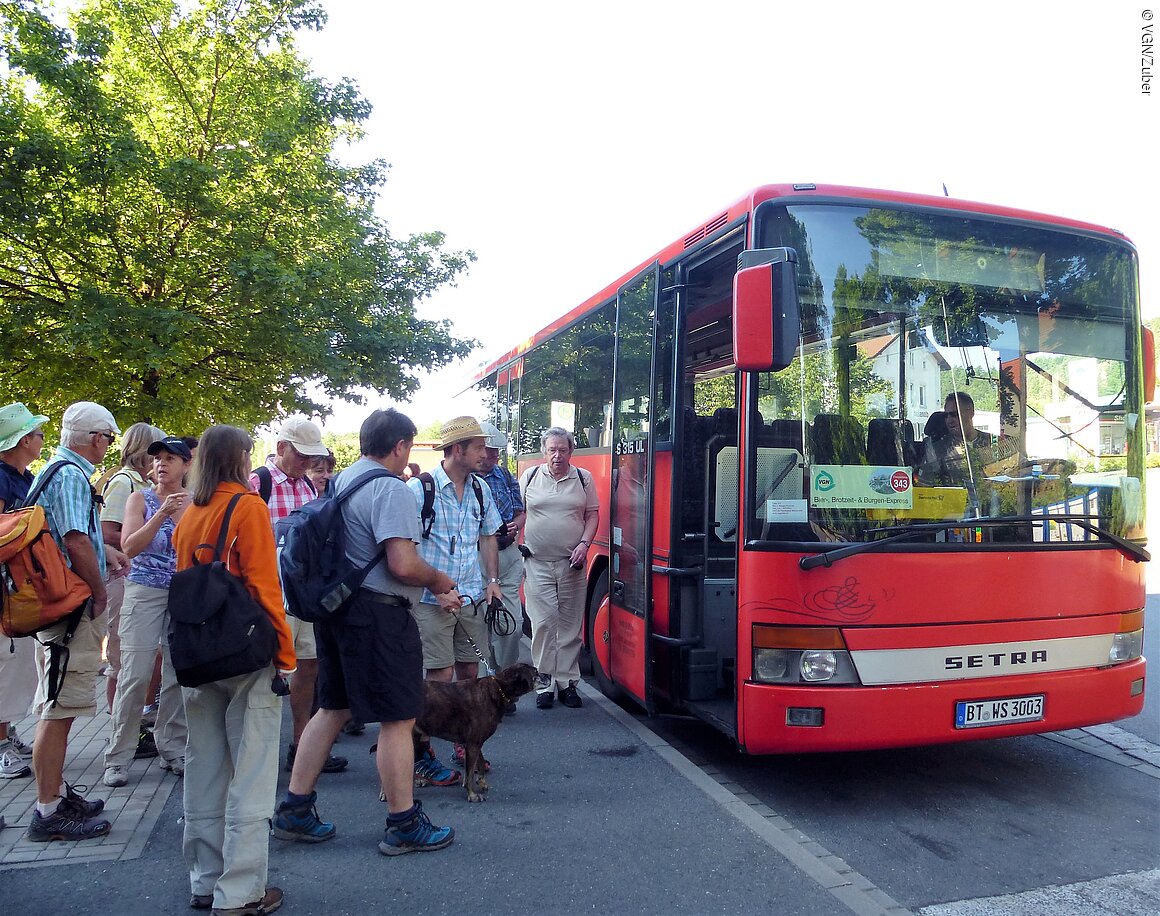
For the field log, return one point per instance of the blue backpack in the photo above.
(317, 578)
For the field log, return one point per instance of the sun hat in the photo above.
(88, 417)
(304, 435)
(459, 430)
(495, 437)
(16, 422)
(175, 445)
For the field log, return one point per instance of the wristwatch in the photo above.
(493, 581)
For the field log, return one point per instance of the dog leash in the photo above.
(486, 664)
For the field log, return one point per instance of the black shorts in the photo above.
(370, 661)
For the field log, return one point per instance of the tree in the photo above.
(177, 239)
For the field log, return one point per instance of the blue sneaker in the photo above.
(302, 823)
(430, 772)
(417, 834)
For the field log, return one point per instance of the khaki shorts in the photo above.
(444, 641)
(77, 696)
(305, 643)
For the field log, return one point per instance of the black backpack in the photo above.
(216, 628)
(317, 578)
(427, 513)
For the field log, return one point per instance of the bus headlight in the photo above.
(819, 665)
(770, 664)
(1126, 647)
(801, 655)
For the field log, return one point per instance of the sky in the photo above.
(566, 143)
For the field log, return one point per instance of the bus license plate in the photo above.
(1008, 711)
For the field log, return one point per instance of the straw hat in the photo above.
(459, 430)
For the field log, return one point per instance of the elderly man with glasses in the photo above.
(70, 506)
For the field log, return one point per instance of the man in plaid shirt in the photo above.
(283, 484)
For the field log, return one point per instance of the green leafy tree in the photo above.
(177, 237)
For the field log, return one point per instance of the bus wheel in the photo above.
(596, 637)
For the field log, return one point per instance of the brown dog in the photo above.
(468, 712)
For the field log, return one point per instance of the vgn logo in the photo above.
(824, 482)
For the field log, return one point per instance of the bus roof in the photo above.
(747, 204)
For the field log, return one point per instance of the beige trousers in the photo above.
(554, 592)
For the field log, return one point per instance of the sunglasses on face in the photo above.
(108, 436)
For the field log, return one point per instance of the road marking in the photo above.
(1135, 894)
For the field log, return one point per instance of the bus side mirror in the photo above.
(1149, 340)
(766, 317)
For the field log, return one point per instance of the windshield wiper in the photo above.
(1130, 549)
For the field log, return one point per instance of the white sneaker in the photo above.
(115, 776)
(11, 766)
(19, 748)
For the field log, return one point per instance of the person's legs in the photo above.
(208, 768)
(314, 748)
(253, 719)
(505, 649)
(302, 683)
(395, 759)
(570, 621)
(170, 730)
(48, 753)
(542, 597)
(115, 590)
(142, 617)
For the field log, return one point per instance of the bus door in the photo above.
(630, 522)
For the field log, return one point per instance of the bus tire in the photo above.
(599, 675)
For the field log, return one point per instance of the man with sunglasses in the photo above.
(283, 484)
(70, 506)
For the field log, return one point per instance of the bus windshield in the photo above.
(951, 367)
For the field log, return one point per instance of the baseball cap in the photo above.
(16, 422)
(88, 417)
(304, 435)
(175, 445)
(459, 430)
(495, 437)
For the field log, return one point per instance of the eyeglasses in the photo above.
(109, 436)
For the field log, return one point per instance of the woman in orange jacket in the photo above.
(231, 760)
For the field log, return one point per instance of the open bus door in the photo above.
(619, 633)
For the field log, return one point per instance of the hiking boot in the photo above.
(146, 746)
(416, 834)
(544, 700)
(354, 728)
(80, 804)
(65, 823)
(570, 698)
(430, 772)
(11, 764)
(301, 823)
(333, 764)
(270, 901)
(200, 901)
(149, 716)
(115, 776)
(458, 754)
(510, 708)
(175, 766)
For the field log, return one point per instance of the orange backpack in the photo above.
(36, 585)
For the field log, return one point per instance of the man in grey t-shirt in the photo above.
(370, 656)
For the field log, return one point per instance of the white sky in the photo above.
(565, 143)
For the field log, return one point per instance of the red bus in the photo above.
(871, 469)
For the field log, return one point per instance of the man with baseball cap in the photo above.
(459, 541)
(88, 430)
(505, 644)
(21, 440)
(283, 484)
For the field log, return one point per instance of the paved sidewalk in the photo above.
(584, 816)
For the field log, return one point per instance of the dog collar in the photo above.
(501, 693)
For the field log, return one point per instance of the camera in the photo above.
(280, 686)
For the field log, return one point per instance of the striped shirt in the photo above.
(506, 491)
(69, 505)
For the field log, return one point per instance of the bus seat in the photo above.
(725, 423)
(890, 443)
(836, 440)
(936, 425)
(781, 434)
(694, 434)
